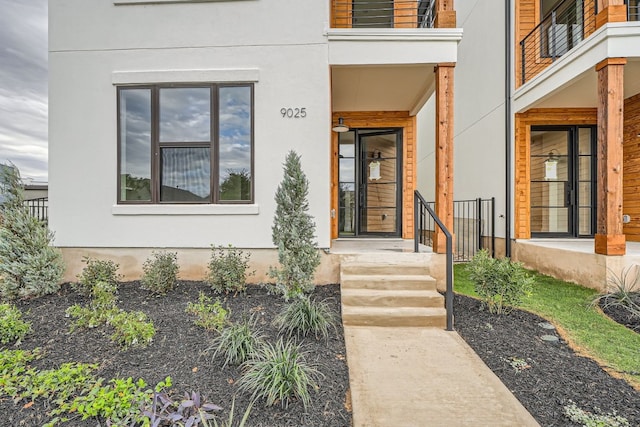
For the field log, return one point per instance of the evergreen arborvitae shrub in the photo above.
(293, 232)
(29, 266)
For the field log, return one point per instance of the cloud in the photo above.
(23, 86)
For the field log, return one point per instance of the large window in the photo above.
(185, 144)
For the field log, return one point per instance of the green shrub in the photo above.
(303, 316)
(29, 265)
(12, 327)
(500, 283)
(101, 307)
(293, 232)
(94, 272)
(587, 419)
(160, 272)
(212, 317)
(119, 401)
(279, 373)
(237, 342)
(228, 269)
(132, 329)
(58, 385)
(13, 367)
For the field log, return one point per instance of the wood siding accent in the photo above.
(527, 17)
(610, 11)
(444, 152)
(631, 166)
(445, 14)
(381, 119)
(522, 172)
(609, 239)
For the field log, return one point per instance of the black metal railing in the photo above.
(38, 208)
(383, 13)
(633, 10)
(421, 208)
(473, 227)
(559, 32)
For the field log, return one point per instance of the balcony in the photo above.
(382, 13)
(570, 22)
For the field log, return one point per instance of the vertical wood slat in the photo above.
(382, 119)
(444, 151)
(522, 172)
(631, 166)
(609, 239)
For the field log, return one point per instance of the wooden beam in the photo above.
(609, 239)
(444, 151)
(445, 14)
(611, 11)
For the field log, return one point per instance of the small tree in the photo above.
(293, 232)
(29, 266)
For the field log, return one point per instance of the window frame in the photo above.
(213, 144)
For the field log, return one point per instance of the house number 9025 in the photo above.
(294, 113)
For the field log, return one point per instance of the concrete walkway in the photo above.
(424, 377)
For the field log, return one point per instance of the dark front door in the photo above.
(370, 183)
(563, 182)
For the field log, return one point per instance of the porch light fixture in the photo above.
(340, 127)
(551, 166)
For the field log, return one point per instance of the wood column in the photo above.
(610, 11)
(444, 151)
(609, 239)
(445, 14)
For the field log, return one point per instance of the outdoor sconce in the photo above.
(340, 127)
(551, 166)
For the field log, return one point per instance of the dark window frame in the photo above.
(213, 144)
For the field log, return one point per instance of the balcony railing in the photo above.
(383, 13)
(559, 32)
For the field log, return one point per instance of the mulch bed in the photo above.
(178, 350)
(620, 314)
(556, 374)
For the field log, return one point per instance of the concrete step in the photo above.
(386, 264)
(392, 298)
(394, 316)
(387, 281)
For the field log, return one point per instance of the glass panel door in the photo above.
(379, 173)
(372, 14)
(369, 182)
(562, 181)
(550, 172)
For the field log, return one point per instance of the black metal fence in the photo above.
(383, 13)
(473, 227)
(38, 208)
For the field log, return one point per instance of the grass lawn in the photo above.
(567, 306)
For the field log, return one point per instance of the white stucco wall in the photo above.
(93, 44)
(479, 137)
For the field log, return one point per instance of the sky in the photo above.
(23, 86)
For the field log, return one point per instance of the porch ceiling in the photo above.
(583, 90)
(381, 87)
